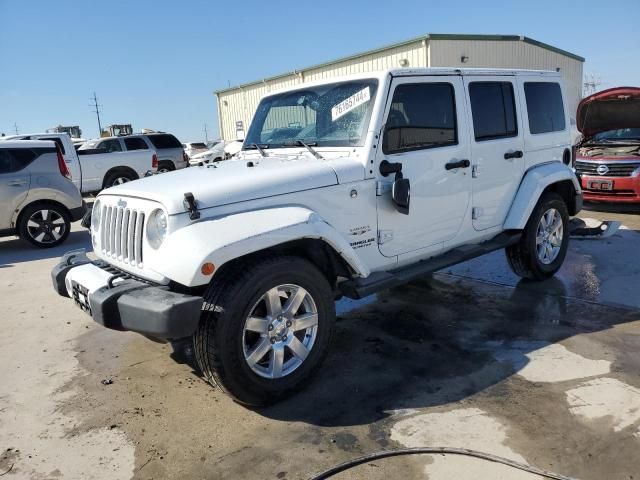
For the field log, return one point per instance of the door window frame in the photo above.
(514, 87)
(428, 147)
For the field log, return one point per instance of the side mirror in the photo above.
(401, 194)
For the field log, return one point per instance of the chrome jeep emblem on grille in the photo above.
(602, 169)
(122, 203)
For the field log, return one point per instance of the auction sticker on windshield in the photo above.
(348, 104)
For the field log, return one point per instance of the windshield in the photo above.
(335, 114)
(621, 134)
(198, 145)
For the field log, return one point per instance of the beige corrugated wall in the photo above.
(240, 103)
(510, 54)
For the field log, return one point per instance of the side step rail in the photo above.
(361, 287)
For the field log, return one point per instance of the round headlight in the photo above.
(157, 228)
(96, 212)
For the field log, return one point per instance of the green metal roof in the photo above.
(429, 36)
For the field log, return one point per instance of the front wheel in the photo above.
(265, 328)
(543, 246)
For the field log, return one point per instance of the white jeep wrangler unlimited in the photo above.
(343, 187)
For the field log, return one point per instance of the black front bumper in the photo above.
(132, 305)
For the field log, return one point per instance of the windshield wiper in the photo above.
(308, 146)
(259, 148)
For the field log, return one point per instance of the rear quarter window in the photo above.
(15, 159)
(164, 141)
(135, 144)
(544, 107)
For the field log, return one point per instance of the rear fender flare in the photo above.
(533, 184)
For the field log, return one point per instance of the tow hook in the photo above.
(190, 204)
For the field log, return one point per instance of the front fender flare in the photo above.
(534, 182)
(222, 239)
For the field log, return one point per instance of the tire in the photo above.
(229, 355)
(166, 166)
(44, 225)
(118, 178)
(538, 257)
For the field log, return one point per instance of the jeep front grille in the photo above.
(122, 230)
(615, 169)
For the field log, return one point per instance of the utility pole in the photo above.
(591, 84)
(15, 127)
(206, 134)
(96, 109)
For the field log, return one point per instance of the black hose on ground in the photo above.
(434, 451)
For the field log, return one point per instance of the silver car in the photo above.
(38, 201)
(171, 154)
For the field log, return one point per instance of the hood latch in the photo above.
(190, 204)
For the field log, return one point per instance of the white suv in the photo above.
(344, 187)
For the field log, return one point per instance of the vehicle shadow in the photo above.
(437, 341)
(13, 251)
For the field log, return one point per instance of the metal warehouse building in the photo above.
(236, 105)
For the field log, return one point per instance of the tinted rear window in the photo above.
(164, 141)
(493, 110)
(198, 145)
(135, 144)
(544, 107)
(15, 159)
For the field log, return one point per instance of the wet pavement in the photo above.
(545, 374)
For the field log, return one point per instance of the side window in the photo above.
(493, 110)
(6, 161)
(135, 143)
(111, 145)
(14, 160)
(544, 107)
(164, 141)
(422, 115)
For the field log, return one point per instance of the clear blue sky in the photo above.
(155, 64)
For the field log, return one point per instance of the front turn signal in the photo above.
(207, 268)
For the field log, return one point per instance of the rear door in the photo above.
(497, 147)
(14, 181)
(425, 126)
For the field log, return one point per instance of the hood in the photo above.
(235, 181)
(609, 110)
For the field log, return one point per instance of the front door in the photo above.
(497, 150)
(424, 130)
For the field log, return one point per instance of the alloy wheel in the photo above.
(46, 226)
(280, 331)
(119, 181)
(549, 236)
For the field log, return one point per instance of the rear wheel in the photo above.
(265, 329)
(543, 246)
(165, 166)
(118, 178)
(44, 225)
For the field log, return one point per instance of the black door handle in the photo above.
(516, 154)
(459, 164)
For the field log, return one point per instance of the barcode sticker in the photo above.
(348, 104)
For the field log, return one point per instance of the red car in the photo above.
(607, 159)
